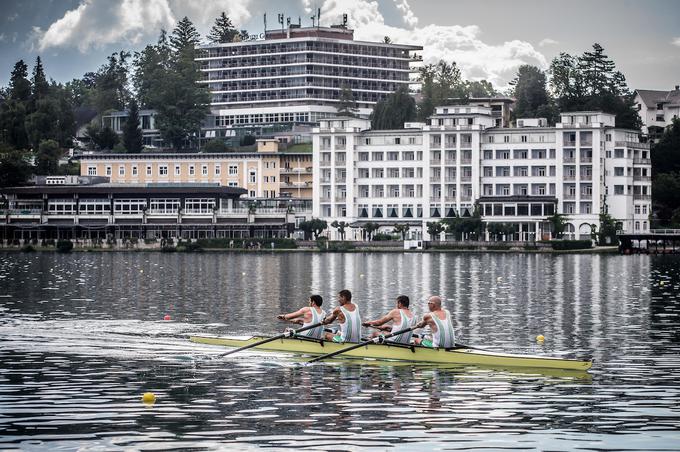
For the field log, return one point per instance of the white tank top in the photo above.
(444, 337)
(350, 331)
(404, 338)
(317, 332)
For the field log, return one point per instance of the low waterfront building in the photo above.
(270, 170)
(657, 109)
(89, 209)
(151, 135)
(461, 161)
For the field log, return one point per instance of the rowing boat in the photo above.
(397, 352)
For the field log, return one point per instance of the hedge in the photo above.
(265, 243)
(64, 246)
(562, 245)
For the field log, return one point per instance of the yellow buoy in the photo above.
(540, 338)
(661, 283)
(148, 397)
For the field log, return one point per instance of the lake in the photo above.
(82, 336)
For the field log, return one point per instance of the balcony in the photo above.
(325, 199)
(586, 177)
(340, 162)
(637, 196)
(641, 178)
(586, 196)
(450, 179)
(340, 199)
(451, 198)
(569, 144)
(631, 144)
(435, 198)
(325, 180)
(466, 161)
(639, 161)
(586, 159)
(569, 177)
(435, 179)
(450, 161)
(570, 196)
(324, 163)
(435, 162)
(465, 178)
(569, 160)
(297, 170)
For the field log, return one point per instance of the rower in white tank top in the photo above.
(406, 322)
(401, 319)
(317, 317)
(307, 316)
(348, 317)
(439, 321)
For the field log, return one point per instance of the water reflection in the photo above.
(82, 339)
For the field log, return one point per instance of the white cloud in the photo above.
(2, 37)
(409, 18)
(96, 23)
(547, 42)
(676, 41)
(497, 63)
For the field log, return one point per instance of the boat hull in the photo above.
(461, 356)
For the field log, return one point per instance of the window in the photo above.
(121, 170)
(163, 205)
(232, 184)
(506, 138)
(108, 170)
(488, 171)
(218, 169)
(129, 206)
(91, 170)
(162, 170)
(524, 138)
(502, 154)
(618, 189)
(488, 154)
(148, 170)
(233, 170)
(177, 170)
(644, 210)
(490, 139)
(252, 176)
(192, 170)
(637, 210)
(204, 170)
(134, 170)
(199, 205)
(618, 154)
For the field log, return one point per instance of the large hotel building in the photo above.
(295, 75)
(520, 175)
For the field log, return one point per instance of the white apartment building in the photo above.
(295, 75)
(520, 175)
(657, 109)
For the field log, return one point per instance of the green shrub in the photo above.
(192, 247)
(243, 243)
(64, 246)
(168, 249)
(381, 237)
(563, 245)
(150, 241)
(336, 246)
(27, 249)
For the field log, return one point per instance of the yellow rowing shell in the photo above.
(459, 356)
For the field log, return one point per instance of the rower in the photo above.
(347, 315)
(439, 321)
(308, 315)
(401, 318)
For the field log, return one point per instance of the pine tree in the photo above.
(19, 85)
(184, 36)
(348, 104)
(394, 110)
(223, 31)
(132, 132)
(598, 70)
(40, 87)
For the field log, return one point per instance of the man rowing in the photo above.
(347, 316)
(439, 321)
(307, 316)
(401, 317)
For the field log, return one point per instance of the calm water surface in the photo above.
(82, 337)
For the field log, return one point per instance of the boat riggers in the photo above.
(376, 340)
(287, 333)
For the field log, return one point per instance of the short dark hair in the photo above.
(317, 300)
(346, 294)
(403, 299)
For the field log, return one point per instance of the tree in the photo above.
(394, 110)
(150, 68)
(665, 200)
(558, 223)
(19, 84)
(13, 123)
(340, 226)
(498, 230)
(103, 138)
(590, 82)
(347, 105)
(533, 100)
(666, 153)
(184, 36)
(387, 40)
(47, 158)
(132, 131)
(223, 31)
(434, 228)
(370, 228)
(607, 234)
(313, 227)
(480, 88)
(215, 146)
(401, 229)
(39, 85)
(15, 168)
(109, 85)
(440, 83)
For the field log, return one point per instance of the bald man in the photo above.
(439, 321)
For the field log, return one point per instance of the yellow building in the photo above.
(270, 172)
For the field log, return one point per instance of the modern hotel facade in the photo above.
(518, 175)
(295, 75)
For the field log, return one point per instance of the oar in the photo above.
(376, 340)
(270, 339)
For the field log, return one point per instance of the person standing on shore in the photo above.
(348, 317)
(306, 316)
(401, 318)
(439, 321)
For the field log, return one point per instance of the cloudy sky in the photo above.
(488, 39)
